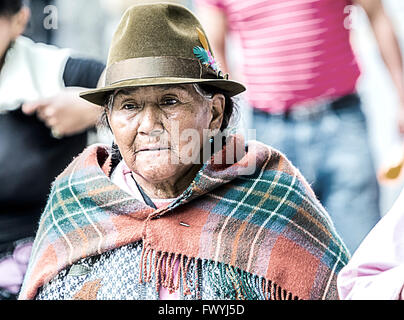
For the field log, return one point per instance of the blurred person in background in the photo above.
(43, 125)
(376, 270)
(301, 75)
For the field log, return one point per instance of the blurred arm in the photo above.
(388, 44)
(214, 22)
(66, 112)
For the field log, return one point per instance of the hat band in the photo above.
(157, 67)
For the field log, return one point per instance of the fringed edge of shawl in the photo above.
(240, 285)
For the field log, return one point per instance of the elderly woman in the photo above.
(176, 209)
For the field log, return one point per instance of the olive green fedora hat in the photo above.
(160, 44)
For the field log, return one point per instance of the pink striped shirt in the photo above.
(294, 51)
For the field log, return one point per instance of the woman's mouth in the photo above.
(152, 149)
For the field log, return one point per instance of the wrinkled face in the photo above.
(161, 130)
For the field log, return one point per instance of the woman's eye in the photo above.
(129, 106)
(169, 101)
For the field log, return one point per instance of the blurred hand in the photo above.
(66, 113)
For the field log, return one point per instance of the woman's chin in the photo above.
(158, 172)
(157, 167)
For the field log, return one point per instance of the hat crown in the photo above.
(155, 30)
(159, 44)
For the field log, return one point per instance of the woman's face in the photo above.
(161, 130)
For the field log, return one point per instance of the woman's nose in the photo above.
(150, 121)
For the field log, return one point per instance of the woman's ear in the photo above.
(217, 109)
(20, 21)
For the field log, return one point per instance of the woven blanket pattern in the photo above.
(256, 215)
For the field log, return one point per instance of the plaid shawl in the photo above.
(258, 215)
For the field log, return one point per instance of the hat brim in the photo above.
(98, 96)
